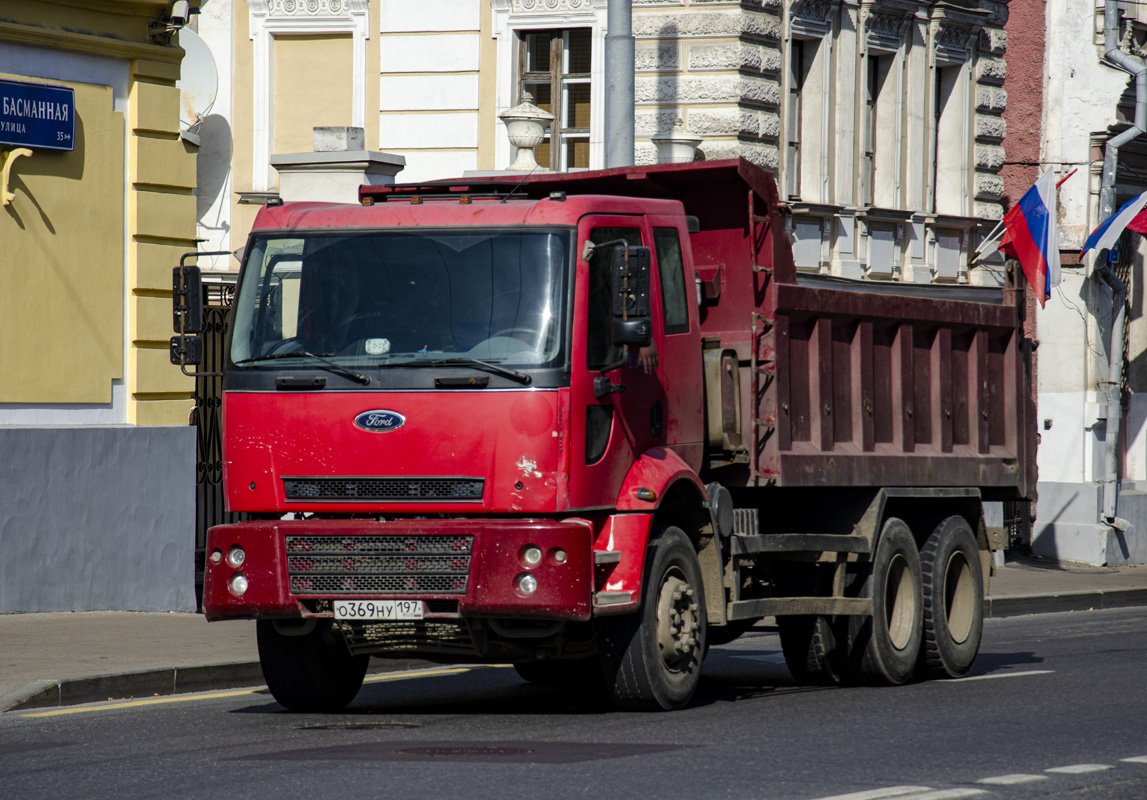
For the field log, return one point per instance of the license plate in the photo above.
(378, 609)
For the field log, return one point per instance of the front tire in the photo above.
(651, 660)
(810, 649)
(310, 673)
(953, 600)
(883, 648)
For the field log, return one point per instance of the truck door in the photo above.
(608, 432)
(679, 345)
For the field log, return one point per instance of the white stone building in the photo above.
(1087, 101)
(880, 119)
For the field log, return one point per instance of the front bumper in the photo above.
(466, 567)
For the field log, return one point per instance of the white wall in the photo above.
(428, 86)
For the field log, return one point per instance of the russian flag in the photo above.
(1031, 236)
(1105, 236)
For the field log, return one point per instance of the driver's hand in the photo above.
(647, 358)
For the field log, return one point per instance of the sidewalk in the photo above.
(69, 658)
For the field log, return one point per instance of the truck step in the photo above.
(612, 598)
(799, 543)
(783, 606)
(606, 557)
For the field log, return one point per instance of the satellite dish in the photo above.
(198, 82)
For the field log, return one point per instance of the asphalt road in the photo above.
(1055, 708)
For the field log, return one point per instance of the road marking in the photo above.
(1135, 760)
(187, 698)
(1079, 769)
(946, 794)
(879, 794)
(1002, 675)
(1012, 780)
(908, 793)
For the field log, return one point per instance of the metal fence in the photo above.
(210, 508)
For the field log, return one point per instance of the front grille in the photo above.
(373, 565)
(425, 636)
(402, 490)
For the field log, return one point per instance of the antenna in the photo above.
(199, 80)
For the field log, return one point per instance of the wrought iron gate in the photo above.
(209, 504)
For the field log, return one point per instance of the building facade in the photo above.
(1073, 106)
(881, 120)
(97, 482)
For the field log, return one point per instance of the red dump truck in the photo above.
(591, 424)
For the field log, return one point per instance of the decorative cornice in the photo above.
(951, 42)
(810, 17)
(882, 30)
(87, 43)
(552, 6)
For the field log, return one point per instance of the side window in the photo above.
(674, 308)
(599, 345)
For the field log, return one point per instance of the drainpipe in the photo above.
(1103, 271)
(619, 88)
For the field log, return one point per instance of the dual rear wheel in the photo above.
(927, 614)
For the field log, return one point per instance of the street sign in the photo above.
(37, 116)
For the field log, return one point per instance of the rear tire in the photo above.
(810, 648)
(651, 660)
(309, 673)
(953, 600)
(884, 648)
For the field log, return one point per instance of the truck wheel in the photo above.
(651, 660)
(313, 672)
(809, 645)
(883, 648)
(953, 600)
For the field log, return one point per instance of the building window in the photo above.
(880, 133)
(805, 145)
(554, 66)
(949, 162)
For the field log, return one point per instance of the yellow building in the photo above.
(97, 485)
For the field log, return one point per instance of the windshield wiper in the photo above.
(322, 359)
(513, 374)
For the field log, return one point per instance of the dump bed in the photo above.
(838, 382)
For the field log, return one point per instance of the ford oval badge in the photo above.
(380, 421)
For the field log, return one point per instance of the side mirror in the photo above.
(187, 299)
(636, 331)
(186, 350)
(187, 314)
(631, 281)
(631, 322)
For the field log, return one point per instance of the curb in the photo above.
(1017, 605)
(157, 683)
(243, 674)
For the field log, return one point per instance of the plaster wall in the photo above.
(304, 94)
(1065, 337)
(89, 227)
(1081, 96)
(62, 266)
(430, 86)
(97, 518)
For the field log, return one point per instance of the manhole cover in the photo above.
(464, 751)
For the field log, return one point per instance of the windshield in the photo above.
(384, 298)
